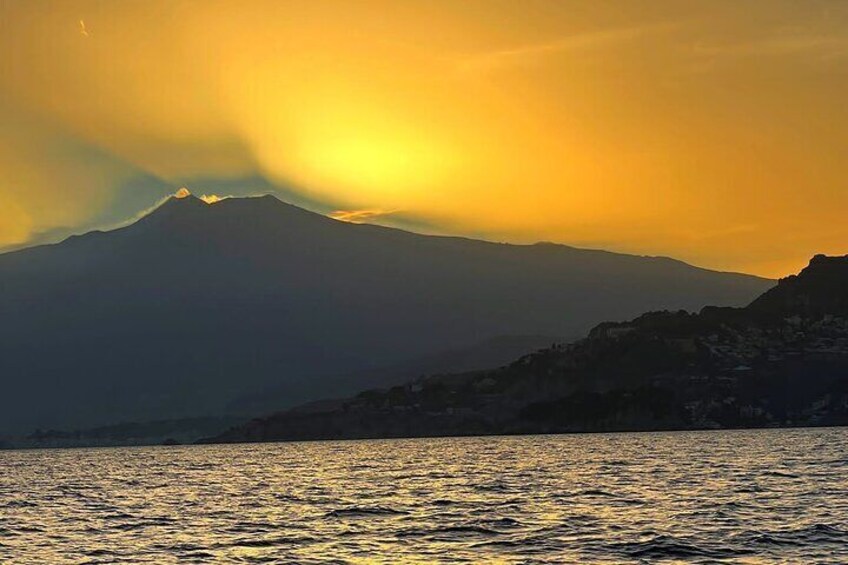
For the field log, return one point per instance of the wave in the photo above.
(562, 507)
(668, 547)
(596, 492)
(443, 532)
(18, 503)
(363, 512)
(815, 534)
(270, 542)
(782, 474)
(503, 523)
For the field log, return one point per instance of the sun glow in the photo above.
(378, 169)
(665, 130)
(211, 198)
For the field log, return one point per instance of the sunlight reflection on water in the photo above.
(698, 497)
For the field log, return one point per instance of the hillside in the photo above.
(194, 306)
(781, 361)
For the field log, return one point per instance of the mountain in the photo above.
(160, 432)
(781, 361)
(195, 305)
(820, 289)
(493, 352)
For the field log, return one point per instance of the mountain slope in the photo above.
(821, 288)
(195, 305)
(781, 361)
(490, 353)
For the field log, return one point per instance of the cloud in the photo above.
(572, 42)
(360, 216)
(816, 45)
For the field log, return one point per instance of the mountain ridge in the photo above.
(195, 304)
(172, 205)
(775, 362)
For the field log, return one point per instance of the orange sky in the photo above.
(710, 131)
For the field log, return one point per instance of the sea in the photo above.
(756, 497)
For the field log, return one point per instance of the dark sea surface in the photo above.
(769, 496)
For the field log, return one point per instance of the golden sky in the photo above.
(715, 132)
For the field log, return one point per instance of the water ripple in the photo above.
(764, 497)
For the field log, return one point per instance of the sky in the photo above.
(714, 132)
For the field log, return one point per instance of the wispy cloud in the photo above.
(360, 216)
(568, 43)
(82, 29)
(803, 44)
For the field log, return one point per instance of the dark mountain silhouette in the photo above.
(493, 352)
(781, 361)
(820, 289)
(490, 353)
(195, 305)
(162, 432)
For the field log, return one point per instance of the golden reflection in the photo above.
(582, 498)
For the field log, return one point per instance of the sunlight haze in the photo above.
(713, 132)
